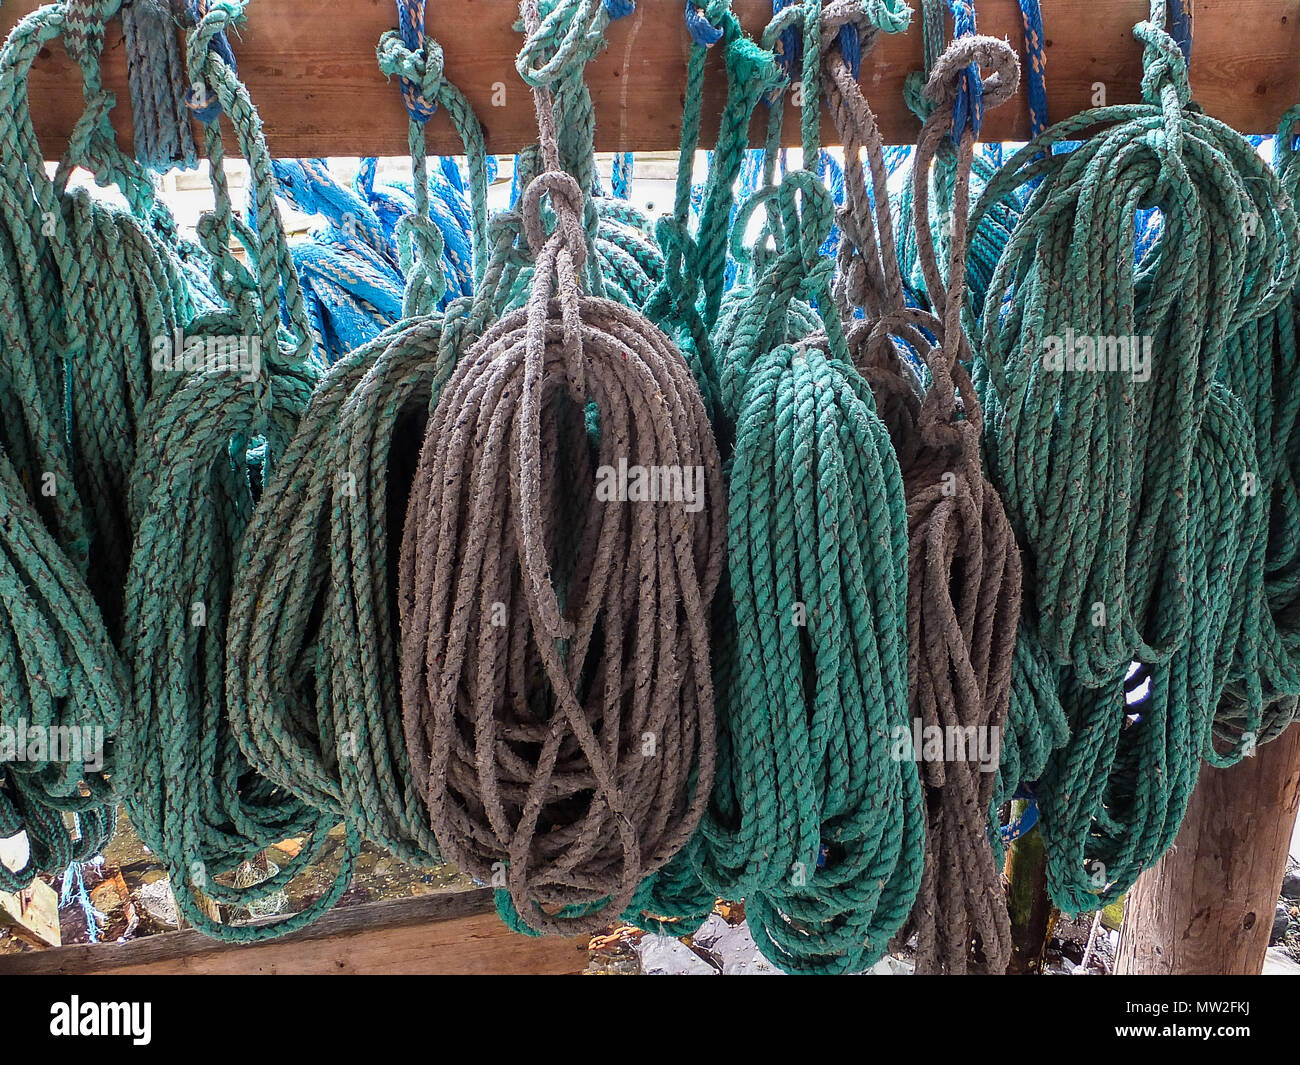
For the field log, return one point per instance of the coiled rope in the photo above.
(213, 436)
(1129, 442)
(572, 742)
(964, 567)
(1262, 369)
(87, 291)
(813, 821)
(313, 647)
(1096, 467)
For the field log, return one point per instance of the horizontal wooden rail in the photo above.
(457, 933)
(310, 67)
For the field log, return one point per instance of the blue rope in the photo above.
(620, 178)
(969, 105)
(210, 109)
(350, 269)
(791, 47)
(1180, 26)
(1035, 66)
(74, 890)
(702, 31)
(1027, 819)
(410, 24)
(831, 174)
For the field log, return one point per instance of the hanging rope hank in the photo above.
(813, 822)
(313, 663)
(964, 576)
(558, 675)
(1112, 569)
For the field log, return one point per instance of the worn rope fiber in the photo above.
(813, 822)
(1261, 367)
(314, 669)
(86, 290)
(1099, 467)
(214, 436)
(964, 567)
(532, 733)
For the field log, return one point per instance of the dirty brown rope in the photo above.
(555, 661)
(964, 567)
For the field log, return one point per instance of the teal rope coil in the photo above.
(1068, 230)
(214, 436)
(313, 663)
(813, 821)
(1111, 567)
(1261, 368)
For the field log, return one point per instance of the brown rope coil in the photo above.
(964, 583)
(556, 685)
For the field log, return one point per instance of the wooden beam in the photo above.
(310, 67)
(1207, 906)
(456, 933)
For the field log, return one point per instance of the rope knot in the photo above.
(420, 70)
(567, 202)
(211, 19)
(1163, 65)
(816, 280)
(941, 430)
(854, 25)
(563, 42)
(681, 261)
(945, 81)
(420, 245)
(807, 220)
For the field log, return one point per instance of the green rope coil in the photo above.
(1112, 479)
(313, 664)
(1262, 369)
(813, 821)
(1104, 593)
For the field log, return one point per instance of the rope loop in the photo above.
(839, 15)
(569, 35)
(420, 244)
(945, 81)
(212, 18)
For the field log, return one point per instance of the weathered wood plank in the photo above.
(453, 933)
(310, 66)
(32, 914)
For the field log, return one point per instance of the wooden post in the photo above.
(1032, 914)
(1207, 906)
